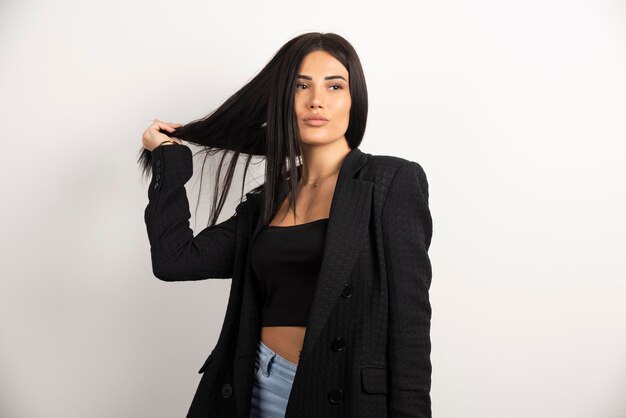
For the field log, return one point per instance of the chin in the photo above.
(316, 137)
(311, 141)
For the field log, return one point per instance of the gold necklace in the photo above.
(320, 178)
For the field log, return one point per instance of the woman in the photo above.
(329, 312)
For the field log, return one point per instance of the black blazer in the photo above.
(366, 349)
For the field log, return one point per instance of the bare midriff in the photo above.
(286, 341)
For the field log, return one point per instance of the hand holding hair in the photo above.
(153, 137)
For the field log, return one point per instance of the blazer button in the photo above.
(158, 170)
(227, 390)
(335, 396)
(347, 290)
(158, 177)
(338, 344)
(156, 185)
(158, 162)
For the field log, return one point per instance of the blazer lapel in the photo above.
(347, 230)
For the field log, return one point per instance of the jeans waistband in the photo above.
(273, 362)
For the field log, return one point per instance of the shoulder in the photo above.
(393, 175)
(380, 167)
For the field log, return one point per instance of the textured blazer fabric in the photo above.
(366, 350)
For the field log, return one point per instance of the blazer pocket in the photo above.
(374, 379)
(206, 363)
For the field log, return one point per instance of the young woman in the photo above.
(329, 312)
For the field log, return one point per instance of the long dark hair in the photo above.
(259, 120)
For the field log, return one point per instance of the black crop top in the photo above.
(287, 260)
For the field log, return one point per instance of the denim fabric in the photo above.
(273, 377)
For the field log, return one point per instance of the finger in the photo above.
(160, 122)
(164, 126)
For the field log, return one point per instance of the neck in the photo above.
(319, 161)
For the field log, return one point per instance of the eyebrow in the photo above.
(330, 77)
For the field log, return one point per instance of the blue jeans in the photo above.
(273, 377)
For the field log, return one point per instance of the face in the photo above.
(322, 89)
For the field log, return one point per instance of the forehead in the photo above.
(320, 64)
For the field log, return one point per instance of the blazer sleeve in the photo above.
(176, 254)
(407, 227)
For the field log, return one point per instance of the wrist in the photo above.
(167, 142)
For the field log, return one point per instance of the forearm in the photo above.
(176, 254)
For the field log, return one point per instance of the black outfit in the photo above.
(287, 261)
(366, 350)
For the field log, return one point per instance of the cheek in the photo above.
(297, 105)
(343, 107)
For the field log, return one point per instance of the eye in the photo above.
(298, 85)
(337, 85)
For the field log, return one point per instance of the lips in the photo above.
(315, 117)
(315, 122)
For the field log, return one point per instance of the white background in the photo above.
(515, 110)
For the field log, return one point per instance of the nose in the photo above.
(315, 94)
(315, 103)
